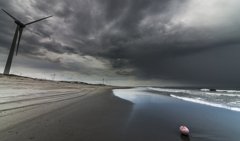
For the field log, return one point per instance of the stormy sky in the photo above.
(126, 42)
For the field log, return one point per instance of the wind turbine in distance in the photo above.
(19, 29)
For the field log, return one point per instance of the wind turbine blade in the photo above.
(38, 20)
(10, 15)
(19, 38)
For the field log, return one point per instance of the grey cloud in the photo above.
(138, 38)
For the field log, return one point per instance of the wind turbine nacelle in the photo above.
(19, 23)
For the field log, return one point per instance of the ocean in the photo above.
(228, 99)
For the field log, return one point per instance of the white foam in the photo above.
(222, 94)
(205, 90)
(193, 92)
(197, 100)
(169, 90)
(228, 91)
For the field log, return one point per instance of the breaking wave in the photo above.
(228, 99)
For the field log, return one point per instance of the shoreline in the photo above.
(56, 111)
(158, 117)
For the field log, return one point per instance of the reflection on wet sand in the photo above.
(152, 112)
(184, 138)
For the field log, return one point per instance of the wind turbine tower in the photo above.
(19, 29)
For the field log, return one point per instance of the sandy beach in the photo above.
(49, 111)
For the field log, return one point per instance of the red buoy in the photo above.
(184, 130)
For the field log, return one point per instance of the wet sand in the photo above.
(158, 117)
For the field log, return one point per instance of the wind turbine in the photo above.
(19, 29)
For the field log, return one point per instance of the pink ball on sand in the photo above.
(184, 130)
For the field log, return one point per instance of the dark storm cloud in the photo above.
(138, 37)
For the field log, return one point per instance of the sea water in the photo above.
(158, 113)
(228, 99)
